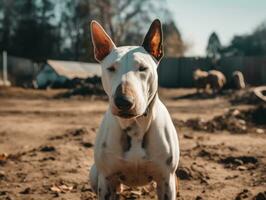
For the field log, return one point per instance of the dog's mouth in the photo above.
(126, 115)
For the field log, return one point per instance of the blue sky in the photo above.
(197, 19)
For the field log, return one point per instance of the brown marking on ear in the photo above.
(102, 43)
(153, 41)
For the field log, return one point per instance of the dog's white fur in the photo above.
(152, 149)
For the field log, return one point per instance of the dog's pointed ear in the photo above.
(153, 41)
(102, 43)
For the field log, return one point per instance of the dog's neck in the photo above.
(141, 123)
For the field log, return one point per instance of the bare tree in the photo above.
(61, 29)
(7, 23)
(214, 46)
(119, 17)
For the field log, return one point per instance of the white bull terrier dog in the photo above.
(137, 142)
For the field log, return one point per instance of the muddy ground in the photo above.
(46, 147)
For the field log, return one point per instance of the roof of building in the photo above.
(72, 69)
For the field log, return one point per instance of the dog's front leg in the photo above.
(166, 188)
(106, 188)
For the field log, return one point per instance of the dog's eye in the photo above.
(142, 69)
(111, 69)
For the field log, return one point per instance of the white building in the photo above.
(58, 72)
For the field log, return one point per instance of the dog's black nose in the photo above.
(124, 102)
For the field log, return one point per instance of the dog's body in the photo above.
(137, 141)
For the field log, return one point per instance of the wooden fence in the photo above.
(177, 72)
(173, 72)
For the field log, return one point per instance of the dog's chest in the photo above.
(133, 144)
(132, 166)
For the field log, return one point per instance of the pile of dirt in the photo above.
(247, 194)
(257, 115)
(87, 90)
(193, 172)
(229, 121)
(244, 194)
(72, 83)
(234, 121)
(76, 82)
(260, 196)
(72, 133)
(246, 96)
(87, 87)
(240, 162)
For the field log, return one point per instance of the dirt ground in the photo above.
(46, 148)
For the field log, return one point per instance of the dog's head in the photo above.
(129, 75)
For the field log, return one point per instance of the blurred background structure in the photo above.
(33, 31)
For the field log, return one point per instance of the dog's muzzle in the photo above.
(124, 101)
